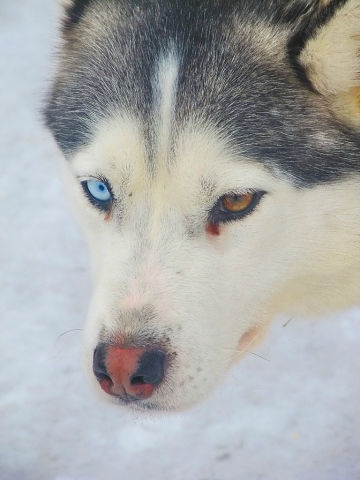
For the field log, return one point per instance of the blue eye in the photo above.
(98, 193)
(98, 190)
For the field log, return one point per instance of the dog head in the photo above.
(215, 170)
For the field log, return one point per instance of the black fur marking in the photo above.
(255, 101)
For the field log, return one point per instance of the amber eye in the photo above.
(234, 206)
(236, 203)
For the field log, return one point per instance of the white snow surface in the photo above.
(293, 415)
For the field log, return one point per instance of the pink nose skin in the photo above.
(130, 374)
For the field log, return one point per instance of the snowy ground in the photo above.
(295, 415)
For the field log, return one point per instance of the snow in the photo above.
(294, 414)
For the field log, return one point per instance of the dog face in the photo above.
(215, 186)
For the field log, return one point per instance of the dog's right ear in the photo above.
(74, 11)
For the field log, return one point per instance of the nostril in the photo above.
(137, 380)
(99, 367)
(150, 369)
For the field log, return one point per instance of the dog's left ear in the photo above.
(330, 56)
(74, 11)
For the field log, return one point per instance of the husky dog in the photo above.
(212, 151)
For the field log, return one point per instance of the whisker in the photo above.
(256, 355)
(67, 332)
(234, 350)
(287, 322)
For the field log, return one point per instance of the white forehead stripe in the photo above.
(166, 88)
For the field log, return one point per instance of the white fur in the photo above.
(165, 91)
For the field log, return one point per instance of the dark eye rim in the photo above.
(103, 205)
(218, 214)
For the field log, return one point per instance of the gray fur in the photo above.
(257, 97)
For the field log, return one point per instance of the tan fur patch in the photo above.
(332, 57)
(347, 106)
(250, 340)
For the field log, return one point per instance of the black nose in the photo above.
(150, 368)
(128, 373)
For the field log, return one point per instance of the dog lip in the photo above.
(136, 403)
(140, 405)
(127, 399)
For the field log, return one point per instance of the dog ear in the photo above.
(330, 56)
(74, 11)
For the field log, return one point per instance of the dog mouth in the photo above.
(138, 405)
